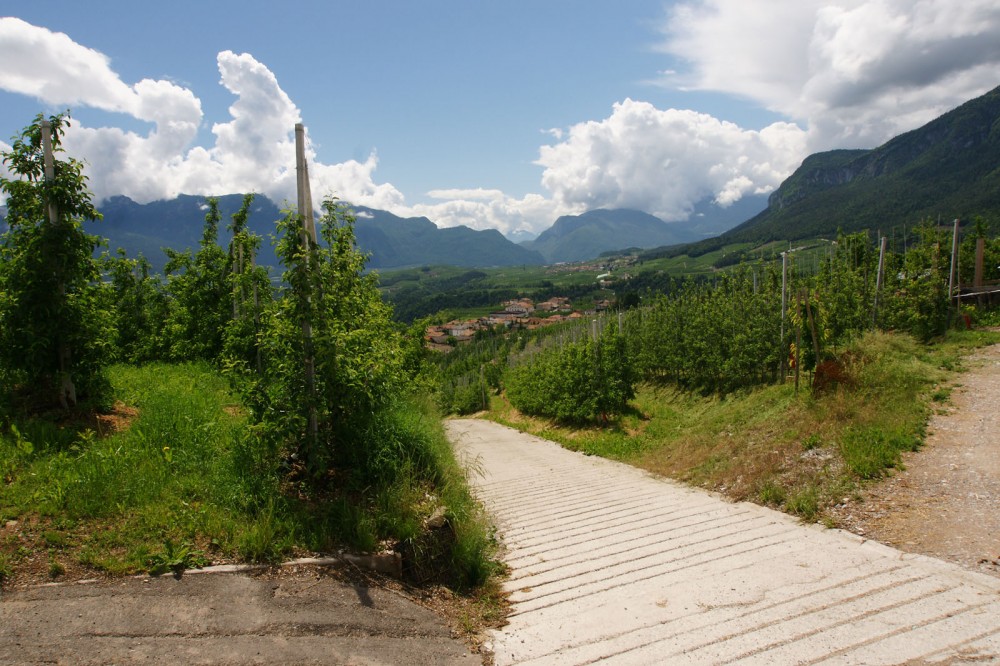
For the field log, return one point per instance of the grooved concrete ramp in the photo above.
(610, 564)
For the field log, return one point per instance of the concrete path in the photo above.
(609, 563)
(298, 616)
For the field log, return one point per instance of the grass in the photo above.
(799, 452)
(182, 482)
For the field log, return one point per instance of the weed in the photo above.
(56, 569)
(870, 451)
(771, 493)
(6, 568)
(176, 558)
(813, 441)
(53, 539)
(804, 503)
(941, 395)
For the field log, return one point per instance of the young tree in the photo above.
(355, 349)
(52, 331)
(202, 296)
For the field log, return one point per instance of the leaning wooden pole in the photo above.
(67, 390)
(784, 307)
(878, 279)
(953, 274)
(308, 239)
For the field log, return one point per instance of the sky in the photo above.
(487, 113)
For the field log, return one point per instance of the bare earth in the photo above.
(946, 502)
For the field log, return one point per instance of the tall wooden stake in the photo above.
(953, 275)
(878, 279)
(308, 240)
(784, 306)
(67, 390)
(977, 280)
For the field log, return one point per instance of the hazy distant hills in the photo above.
(947, 169)
(397, 242)
(393, 241)
(580, 237)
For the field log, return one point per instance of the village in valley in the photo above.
(516, 314)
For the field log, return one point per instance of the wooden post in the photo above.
(67, 390)
(812, 328)
(878, 279)
(308, 240)
(48, 160)
(953, 275)
(977, 281)
(798, 342)
(784, 306)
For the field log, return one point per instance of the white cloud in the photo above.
(856, 73)
(253, 150)
(489, 209)
(664, 162)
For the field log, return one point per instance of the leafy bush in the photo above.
(578, 381)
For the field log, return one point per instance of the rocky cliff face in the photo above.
(818, 172)
(957, 139)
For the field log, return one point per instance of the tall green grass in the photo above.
(188, 476)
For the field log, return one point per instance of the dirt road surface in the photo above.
(946, 501)
(610, 564)
(299, 616)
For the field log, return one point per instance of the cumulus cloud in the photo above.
(665, 162)
(490, 209)
(253, 150)
(855, 73)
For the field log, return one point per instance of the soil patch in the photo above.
(945, 502)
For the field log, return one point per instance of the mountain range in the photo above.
(947, 169)
(392, 241)
(582, 237)
(397, 242)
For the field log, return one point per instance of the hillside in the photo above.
(580, 237)
(949, 168)
(399, 242)
(587, 236)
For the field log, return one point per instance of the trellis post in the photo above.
(305, 211)
(67, 391)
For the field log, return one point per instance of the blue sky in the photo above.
(490, 114)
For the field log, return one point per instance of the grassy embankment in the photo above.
(800, 452)
(174, 479)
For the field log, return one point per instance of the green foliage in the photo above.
(250, 294)
(917, 286)
(711, 338)
(53, 331)
(139, 306)
(201, 294)
(333, 321)
(578, 381)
